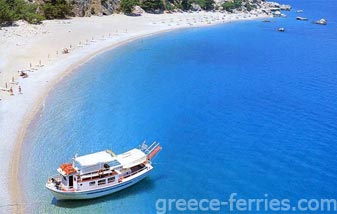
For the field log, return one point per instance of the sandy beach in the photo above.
(37, 49)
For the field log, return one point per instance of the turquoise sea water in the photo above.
(238, 108)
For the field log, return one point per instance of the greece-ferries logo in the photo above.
(234, 203)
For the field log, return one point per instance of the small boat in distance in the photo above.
(301, 18)
(281, 29)
(102, 173)
(299, 11)
(321, 22)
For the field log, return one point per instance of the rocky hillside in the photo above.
(34, 11)
(95, 7)
(108, 7)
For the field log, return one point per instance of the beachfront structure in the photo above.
(102, 173)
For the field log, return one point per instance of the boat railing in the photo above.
(135, 172)
(122, 176)
(56, 180)
(148, 149)
(55, 177)
(92, 170)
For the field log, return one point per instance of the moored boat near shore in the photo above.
(102, 173)
(281, 29)
(321, 22)
(301, 18)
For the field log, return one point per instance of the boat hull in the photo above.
(99, 192)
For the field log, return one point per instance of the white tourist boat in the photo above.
(102, 173)
(322, 22)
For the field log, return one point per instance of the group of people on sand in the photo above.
(11, 92)
(23, 74)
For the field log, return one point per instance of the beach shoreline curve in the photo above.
(39, 88)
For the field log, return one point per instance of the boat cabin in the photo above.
(99, 169)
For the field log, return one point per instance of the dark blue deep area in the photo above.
(237, 108)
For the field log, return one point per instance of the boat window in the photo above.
(112, 179)
(101, 182)
(92, 183)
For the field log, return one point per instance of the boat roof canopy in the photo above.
(95, 158)
(131, 158)
(127, 159)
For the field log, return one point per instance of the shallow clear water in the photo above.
(237, 108)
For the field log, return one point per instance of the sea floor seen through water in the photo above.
(238, 108)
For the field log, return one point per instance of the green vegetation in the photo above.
(236, 4)
(231, 5)
(204, 4)
(169, 6)
(6, 14)
(12, 10)
(250, 6)
(150, 6)
(153, 6)
(187, 4)
(182, 4)
(57, 9)
(127, 5)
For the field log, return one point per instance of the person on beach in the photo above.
(11, 91)
(20, 91)
(65, 51)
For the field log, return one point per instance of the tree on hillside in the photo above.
(26, 11)
(230, 6)
(153, 5)
(185, 4)
(127, 5)
(6, 14)
(57, 9)
(169, 6)
(12, 10)
(209, 5)
(204, 4)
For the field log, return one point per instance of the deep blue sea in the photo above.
(238, 108)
